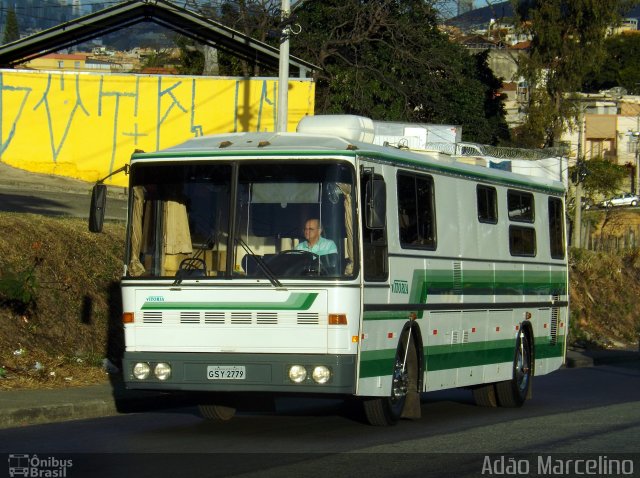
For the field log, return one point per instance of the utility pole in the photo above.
(283, 70)
(577, 221)
(636, 190)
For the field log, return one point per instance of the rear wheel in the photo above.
(385, 411)
(513, 393)
(485, 395)
(217, 413)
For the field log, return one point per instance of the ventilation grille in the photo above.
(267, 318)
(457, 278)
(232, 318)
(308, 318)
(214, 317)
(555, 313)
(189, 317)
(152, 317)
(240, 318)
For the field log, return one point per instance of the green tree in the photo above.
(621, 66)
(191, 56)
(567, 43)
(258, 19)
(388, 60)
(11, 29)
(602, 177)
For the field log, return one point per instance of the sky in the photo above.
(449, 6)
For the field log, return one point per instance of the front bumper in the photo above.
(264, 372)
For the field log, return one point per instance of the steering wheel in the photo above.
(300, 252)
(194, 264)
(296, 262)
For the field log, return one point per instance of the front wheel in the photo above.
(217, 413)
(513, 393)
(385, 411)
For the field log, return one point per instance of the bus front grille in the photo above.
(222, 318)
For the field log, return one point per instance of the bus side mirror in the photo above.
(376, 198)
(98, 202)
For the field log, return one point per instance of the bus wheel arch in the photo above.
(514, 392)
(404, 399)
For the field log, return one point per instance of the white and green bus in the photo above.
(439, 274)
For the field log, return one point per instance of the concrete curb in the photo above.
(578, 358)
(36, 407)
(56, 413)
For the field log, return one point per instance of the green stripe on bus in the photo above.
(296, 301)
(386, 315)
(379, 363)
(473, 282)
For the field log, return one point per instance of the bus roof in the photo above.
(270, 144)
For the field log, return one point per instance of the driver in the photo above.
(314, 241)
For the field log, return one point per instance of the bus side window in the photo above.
(416, 211)
(521, 208)
(487, 204)
(556, 228)
(375, 258)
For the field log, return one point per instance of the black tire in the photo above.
(386, 411)
(513, 393)
(485, 395)
(217, 413)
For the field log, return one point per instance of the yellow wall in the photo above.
(85, 125)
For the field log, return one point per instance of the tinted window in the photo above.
(556, 228)
(520, 206)
(522, 241)
(374, 241)
(487, 204)
(416, 212)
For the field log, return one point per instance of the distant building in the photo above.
(58, 61)
(627, 25)
(610, 121)
(76, 62)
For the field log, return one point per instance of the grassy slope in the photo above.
(75, 303)
(73, 322)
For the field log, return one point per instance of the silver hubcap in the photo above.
(400, 382)
(522, 365)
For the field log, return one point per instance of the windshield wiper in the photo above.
(263, 267)
(187, 266)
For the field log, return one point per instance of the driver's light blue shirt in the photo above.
(321, 248)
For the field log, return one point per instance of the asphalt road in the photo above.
(587, 412)
(56, 203)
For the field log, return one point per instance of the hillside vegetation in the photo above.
(60, 304)
(59, 300)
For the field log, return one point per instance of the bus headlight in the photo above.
(162, 371)
(141, 370)
(321, 374)
(297, 373)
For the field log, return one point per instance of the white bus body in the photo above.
(446, 274)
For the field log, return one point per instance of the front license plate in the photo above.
(226, 372)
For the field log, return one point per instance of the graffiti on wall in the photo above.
(86, 125)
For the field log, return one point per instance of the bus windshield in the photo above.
(284, 220)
